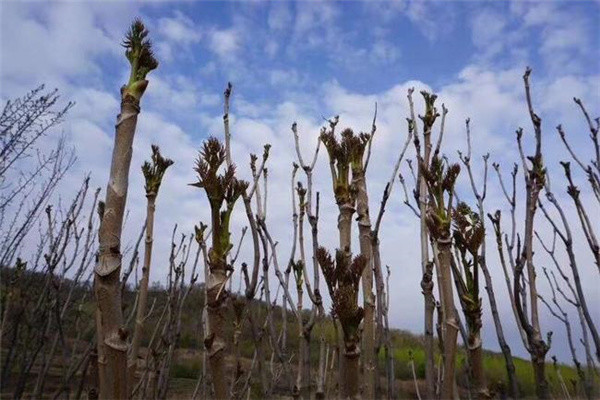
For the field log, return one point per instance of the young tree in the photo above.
(359, 164)
(309, 208)
(426, 264)
(469, 235)
(111, 335)
(343, 277)
(153, 173)
(440, 182)
(29, 173)
(345, 157)
(535, 179)
(223, 190)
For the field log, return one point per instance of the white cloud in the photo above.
(179, 29)
(53, 46)
(225, 43)
(313, 16)
(175, 34)
(433, 19)
(532, 29)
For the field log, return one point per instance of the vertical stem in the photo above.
(143, 289)
(112, 345)
(364, 231)
(445, 256)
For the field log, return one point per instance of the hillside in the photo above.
(187, 364)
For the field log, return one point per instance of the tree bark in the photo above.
(506, 352)
(217, 321)
(445, 256)
(476, 357)
(427, 290)
(143, 289)
(112, 344)
(539, 372)
(351, 385)
(364, 231)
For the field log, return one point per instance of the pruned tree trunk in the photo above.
(451, 332)
(153, 174)
(364, 232)
(343, 277)
(506, 352)
(427, 290)
(215, 342)
(428, 300)
(351, 383)
(440, 180)
(112, 335)
(143, 291)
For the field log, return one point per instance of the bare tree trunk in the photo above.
(506, 352)
(567, 239)
(306, 371)
(439, 217)
(112, 343)
(539, 375)
(351, 385)
(476, 358)
(343, 278)
(153, 173)
(320, 392)
(445, 256)
(215, 342)
(427, 290)
(143, 290)
(364, 232)
(482, 262)
(424, 236)
(534, 180)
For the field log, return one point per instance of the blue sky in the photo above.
(300, 61)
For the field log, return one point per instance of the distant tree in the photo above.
(153, 174)
(29, 173)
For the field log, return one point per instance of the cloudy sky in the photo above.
(309, 60)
